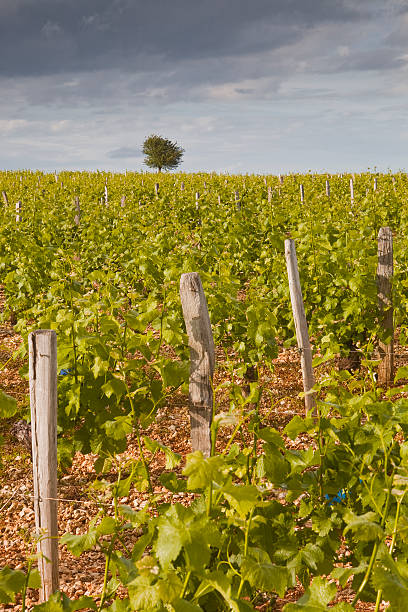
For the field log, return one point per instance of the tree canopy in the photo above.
(161, 153)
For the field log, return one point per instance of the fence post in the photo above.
(5, 198)
(269, 194)
(18, 211)
(237, 201)
(43, 401)
(197, 197)
(328, 188)
(123, 201)
(302, 334)
(302, 194)
(351, 190)
(156, 189)
(384, 284)
(77, 217)
(202, 360)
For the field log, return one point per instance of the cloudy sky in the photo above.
(243, 85)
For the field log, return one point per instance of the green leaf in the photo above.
(107, 526)
(143, 594)
(264, 575)
(59, 602)
(392, 578)
(243, 498)
(271, 435)
(172, 459)
(201, 471)
(172, 483)
(364, 527)
(77, 544)
(182, 605)
(295, 426)
(316, 597)
(8, 405)
(11, 582)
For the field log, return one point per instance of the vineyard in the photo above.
(291, 510)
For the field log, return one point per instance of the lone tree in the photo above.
(161, 153)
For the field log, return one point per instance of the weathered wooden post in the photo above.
(375, 184)
(385, 270)
(197, 197)
(77, 217)
(302, 334)
(269, 194)
(302, 194)
(43, 401)
(237, 201)
(5, 198)
(106, 195)
(351, 191)
(202, 360)
(123, 201)
(18, 211)
(156, 189)
(328, 188)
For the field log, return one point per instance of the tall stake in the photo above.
(202, 360)
(385, 270)
(43, 400)
(302, 334)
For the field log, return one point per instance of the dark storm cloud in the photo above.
(40, 37)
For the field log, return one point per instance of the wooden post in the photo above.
(78, 210)
(5, 198)
(219, 199)
(384, 284)
(269, 194)
(351, 190)
(375, 184)
(328, 189)
(237, 200)
(202, 360)
(43, 400)
(106, 195)
(197, 197)
(123, 201)
(18, 211)
(302, 194)
(156, 189)
(302, 334)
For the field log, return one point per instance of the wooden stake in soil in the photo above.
(202, 360)
(385, 272)
(156, 189)
(43, 400)
(77, 217)
(351, 190)
(18, 211)
(269, 194)
(237, 201)
(328, 188)
(5, 198)
(302, 334)
(302, 194)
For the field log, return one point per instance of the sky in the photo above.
(244, 86)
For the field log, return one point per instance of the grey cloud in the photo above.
(124, 153)
(57, 36)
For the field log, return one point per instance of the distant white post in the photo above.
(18, 211)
